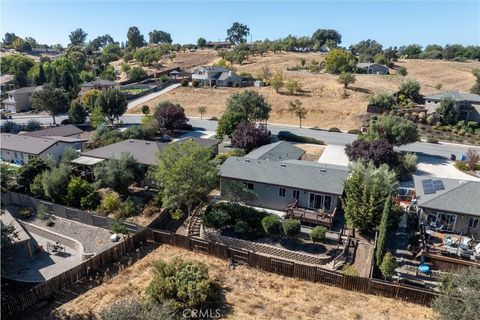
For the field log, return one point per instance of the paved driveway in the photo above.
(151, 96)
(440, 167)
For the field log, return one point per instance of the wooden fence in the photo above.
(20, 302)
(304, 271)
(294, 269)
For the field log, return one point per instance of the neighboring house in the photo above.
(19, 99)
(373, 68)
(467, 104)
(7, 83)
(277, 151)
(216, 76)
(68, 130)
(98, 84)
(145, 152)
(308, 191)
(449, 204)
(20, 148)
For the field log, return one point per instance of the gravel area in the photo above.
(94, 239)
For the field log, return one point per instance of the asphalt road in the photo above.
(333, 138)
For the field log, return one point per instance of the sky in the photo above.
(392, 23)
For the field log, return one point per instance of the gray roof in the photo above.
(215, 68)
(60, 131)
(459, 196)
(26, 144)
(145, 152)
(458, 96)
(297, 174)
(277, 151)
(369, 64)
(25, 90)
(227, 74)
(201, 141)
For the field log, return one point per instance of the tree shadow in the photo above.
(361, 90)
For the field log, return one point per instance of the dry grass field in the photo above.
(253, 294)
(323, 96)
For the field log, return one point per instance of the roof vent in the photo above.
(283, 165)
(131, 141)
(247, 160)
(323, 170)
(148, 142)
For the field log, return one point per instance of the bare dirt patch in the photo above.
(253, 294)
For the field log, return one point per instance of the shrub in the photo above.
(183, 284)
(50, 222)
(128, 209)
(241, 227)
(26, 213)
(216, 218)
(302, 139)
(461, 165)
(291, 228)
(195, 83)
(145, 109)
(402, 71)
(184, 83)
(164, 78)
(271, 225)
(32, 125)
(334, 129)
(350, 270)
(354, 131)
(123, 309)
(42, 212)
(136, 74)
(432, 139)
(110, 202)
(383, 100)
(318, 234)
(389, 263)
(90, 201)
(119, 228)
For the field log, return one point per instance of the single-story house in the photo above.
(19, 99)
(68, 130)
(98, 84)
(7, 83)
(372, 68)
(277, 151)
(449, 204)
(145, 152)
(216, 76)
(21, 148)
(308, 191)
(467, 104)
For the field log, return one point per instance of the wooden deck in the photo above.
(315, 217)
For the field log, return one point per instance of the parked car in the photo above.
(5, 114)
(281, 135)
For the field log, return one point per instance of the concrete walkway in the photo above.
(151, 96)
(334, 154)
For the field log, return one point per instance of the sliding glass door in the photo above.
(320, 202)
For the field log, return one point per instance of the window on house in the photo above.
(15, 155)
(281, 192)
(248, 185)
(472, 222)
(296, 194)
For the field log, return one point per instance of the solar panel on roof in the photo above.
(438, 185)
(428, 190)
(427, 186)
